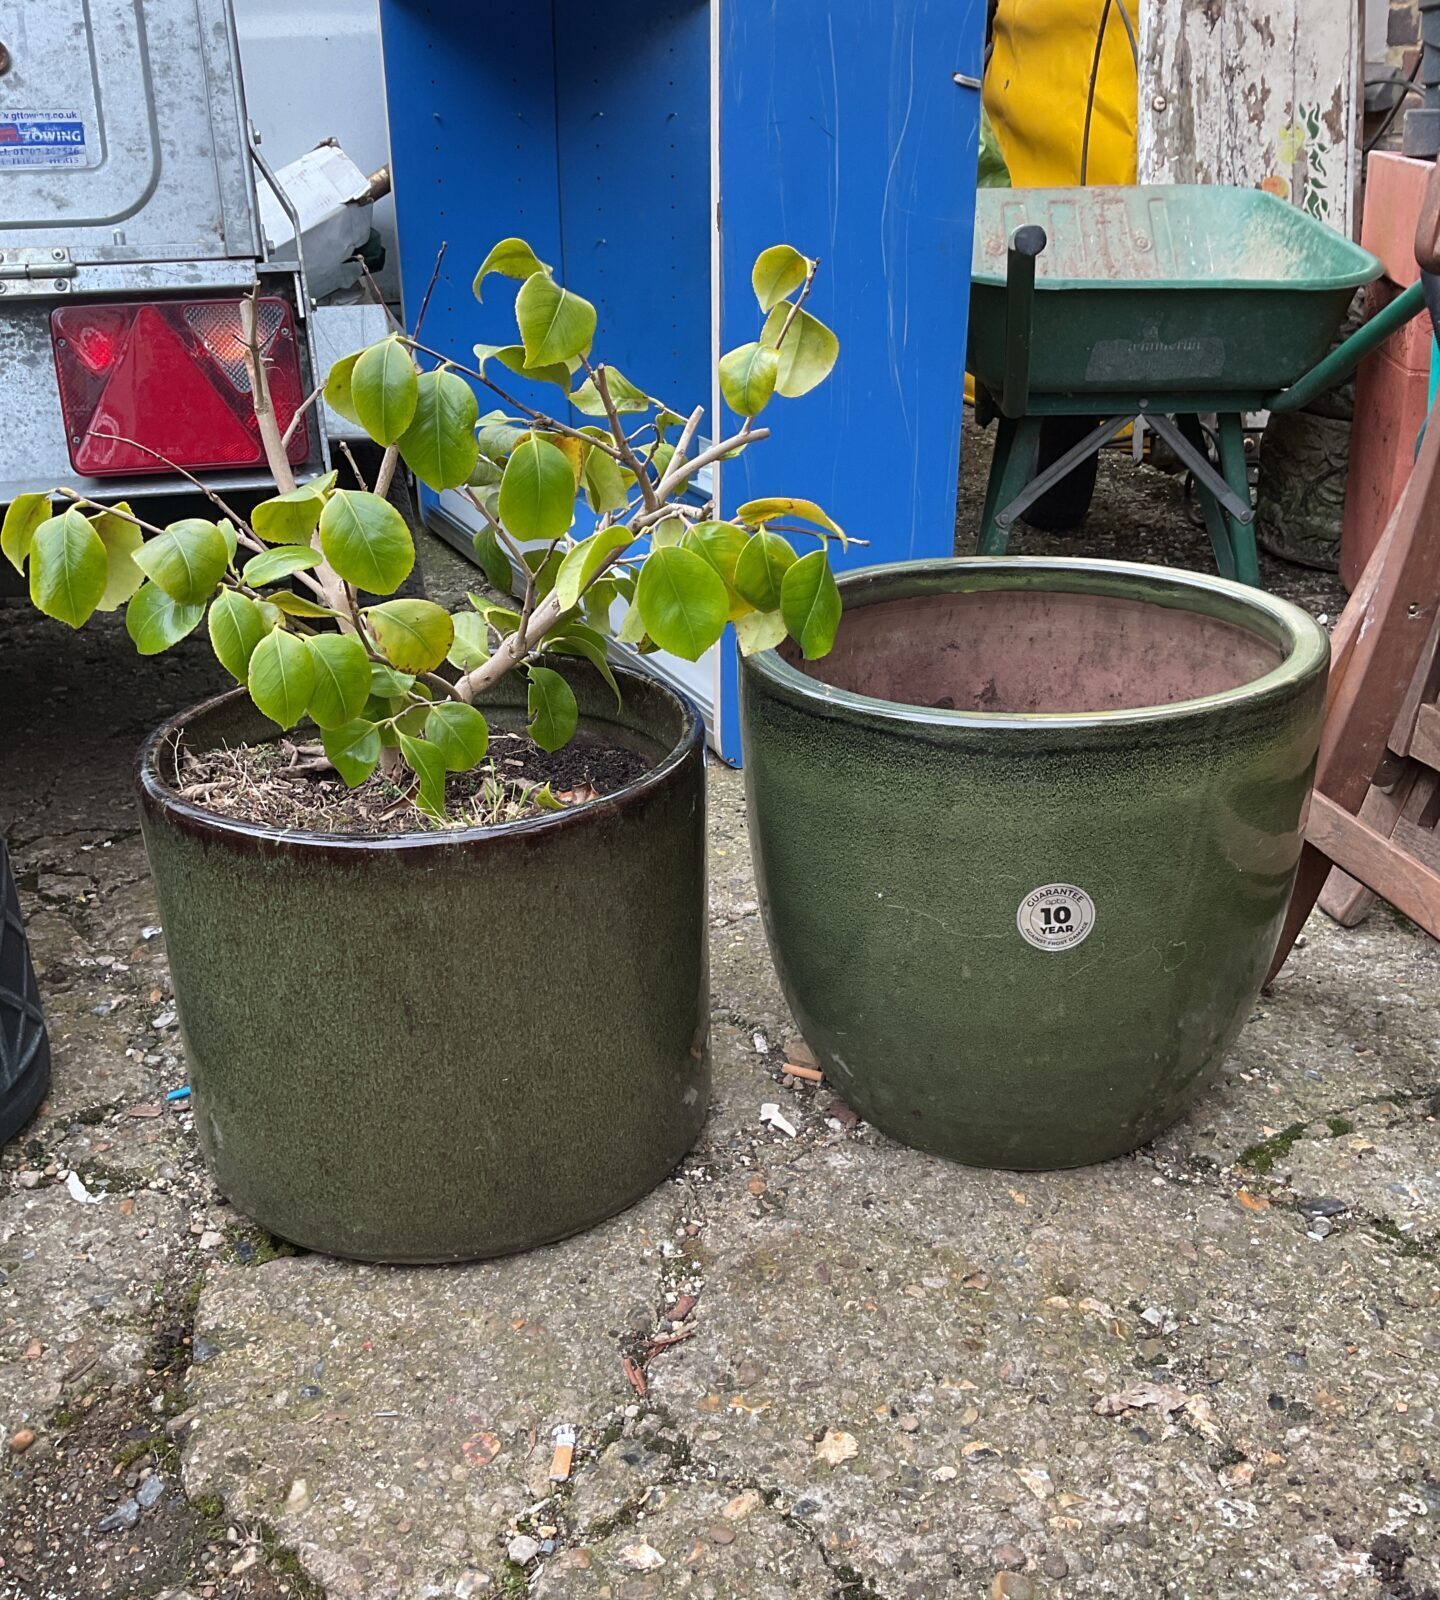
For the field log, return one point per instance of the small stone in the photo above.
(720, 1534)
(1013, 1586)
(125, 1515)
(909, 1423)
(741, 1506)
(522, 1549)
(32, 1351)
(944, 1474)
(1008, 1555)
(1322, 1205)
(210, 1240)
(471, 1582)
(298, 1499)
(21, 1440)
(166, 1019)
(641, 1557)
(29, 1180)
(150, 1490)
(1055, 1565)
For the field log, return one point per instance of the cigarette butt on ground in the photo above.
(810, 1074)
(563, 1460)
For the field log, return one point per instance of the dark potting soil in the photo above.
(289, 784)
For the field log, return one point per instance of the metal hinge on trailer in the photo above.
(35, 270)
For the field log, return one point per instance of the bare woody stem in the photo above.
(601, 381)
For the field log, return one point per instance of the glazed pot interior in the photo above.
(1019, 651)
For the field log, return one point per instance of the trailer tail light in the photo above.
(168, 379)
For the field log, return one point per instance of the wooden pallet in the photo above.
(1377, 793)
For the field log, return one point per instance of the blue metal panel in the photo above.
(633, 129)
(585, 127)
(844, 133)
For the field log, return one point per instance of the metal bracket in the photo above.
(35, 270)
(1241, 510)
(1093, 442)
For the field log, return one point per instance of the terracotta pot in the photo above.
(442, 1046)
(1025, 840)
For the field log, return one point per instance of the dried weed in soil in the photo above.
(288, 785)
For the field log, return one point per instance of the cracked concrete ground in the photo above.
(1208, 1370)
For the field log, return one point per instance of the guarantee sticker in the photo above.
(1056, 916)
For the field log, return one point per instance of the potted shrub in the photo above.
(1025, 839)
(433, 883)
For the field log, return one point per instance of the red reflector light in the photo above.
(169, 377)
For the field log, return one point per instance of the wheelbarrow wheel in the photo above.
(1063, 506)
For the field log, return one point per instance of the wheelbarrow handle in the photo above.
(1025, 244)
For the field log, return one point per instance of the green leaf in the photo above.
(342, 679)
(237, 625)
(471, 644)
(554, 324)
(155, 621)
(459, 733)
(272, 565)
(298, 605)
(501, 618)
(414, 635)
(383, 388)
(552, 708)
(575, 639)
(513, 356)
(778, 272)
(288, 518)
(759, 630)
(439, 445)
(760, 570)
(497, 436)
(428, 766)
(721, 544)
(603, 482)
(807, 355)
(388, 683)
(364, 538)
(485, 474)
(747, 378)
(23, 516)
(754, 512)
(810, 604)
(187, 560)
(585, 559)
(339, 389)
(537, 494)
(68, 568)
(512, 257)
(353, 749)
(683, 602)
(632, 626)
(232, 539)
(623, 395)
(282, 676)
(494, 562)
(121, 539)
(668, 531)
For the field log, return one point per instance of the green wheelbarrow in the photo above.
(1161, 303)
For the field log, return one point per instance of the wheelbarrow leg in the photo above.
(1017, 447)
(1217, 525)
(1232, 464)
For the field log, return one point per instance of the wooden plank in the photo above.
(1342, 898)
(1410, 886)
(1425, 741)
(1263, 94)
(1382, 633)
(1423, 686)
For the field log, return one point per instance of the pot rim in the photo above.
(155, 792)
(1305, 643)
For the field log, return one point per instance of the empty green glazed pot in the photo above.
(443, 1046)
(1025, 839)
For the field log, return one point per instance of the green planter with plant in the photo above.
(432, 881)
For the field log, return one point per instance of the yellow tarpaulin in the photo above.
(1038, 80)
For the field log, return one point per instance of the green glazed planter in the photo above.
(1025, 839)
(438, 1047)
